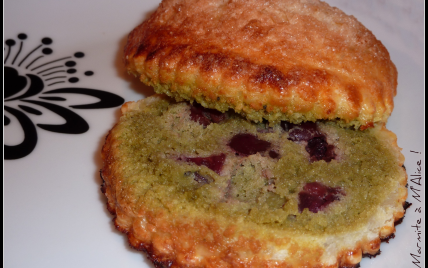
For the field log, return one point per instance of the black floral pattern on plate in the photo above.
(35, 83)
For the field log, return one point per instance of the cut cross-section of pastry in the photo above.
(271, 149)
(294, 60)
(194, 192)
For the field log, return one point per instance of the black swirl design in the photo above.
(28, 79)
(30, 138)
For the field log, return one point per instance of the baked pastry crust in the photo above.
(176, 235)
(294, 60)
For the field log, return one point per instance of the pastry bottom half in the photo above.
(196, 188)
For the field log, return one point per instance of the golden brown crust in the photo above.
(280, 60)
(195, 240)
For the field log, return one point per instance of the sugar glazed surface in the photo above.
(294, 60)
(187, 192)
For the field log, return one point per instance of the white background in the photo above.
(54, 212)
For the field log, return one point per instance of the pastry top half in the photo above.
(291, 60)
(196, 188)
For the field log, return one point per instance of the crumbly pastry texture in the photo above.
(294, 60)
(185, 192)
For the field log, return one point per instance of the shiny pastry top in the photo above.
(294, 60)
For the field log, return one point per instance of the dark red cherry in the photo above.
(198, 116)
(312, 202)
(214, 162)
(273, 154)
(205, 116)
(319, 149)
(316, 196)
(216, 116)
(304, 132)
(315, 188)
(248, 144)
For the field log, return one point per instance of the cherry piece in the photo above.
(216, 116)
(214, 162)
(304, 132)
(317, 146)
(273, 154)
(198, 116)
(316, 196)
(248, 144)
(205, 116)
(319, 149)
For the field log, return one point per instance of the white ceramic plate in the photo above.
(54, 212)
